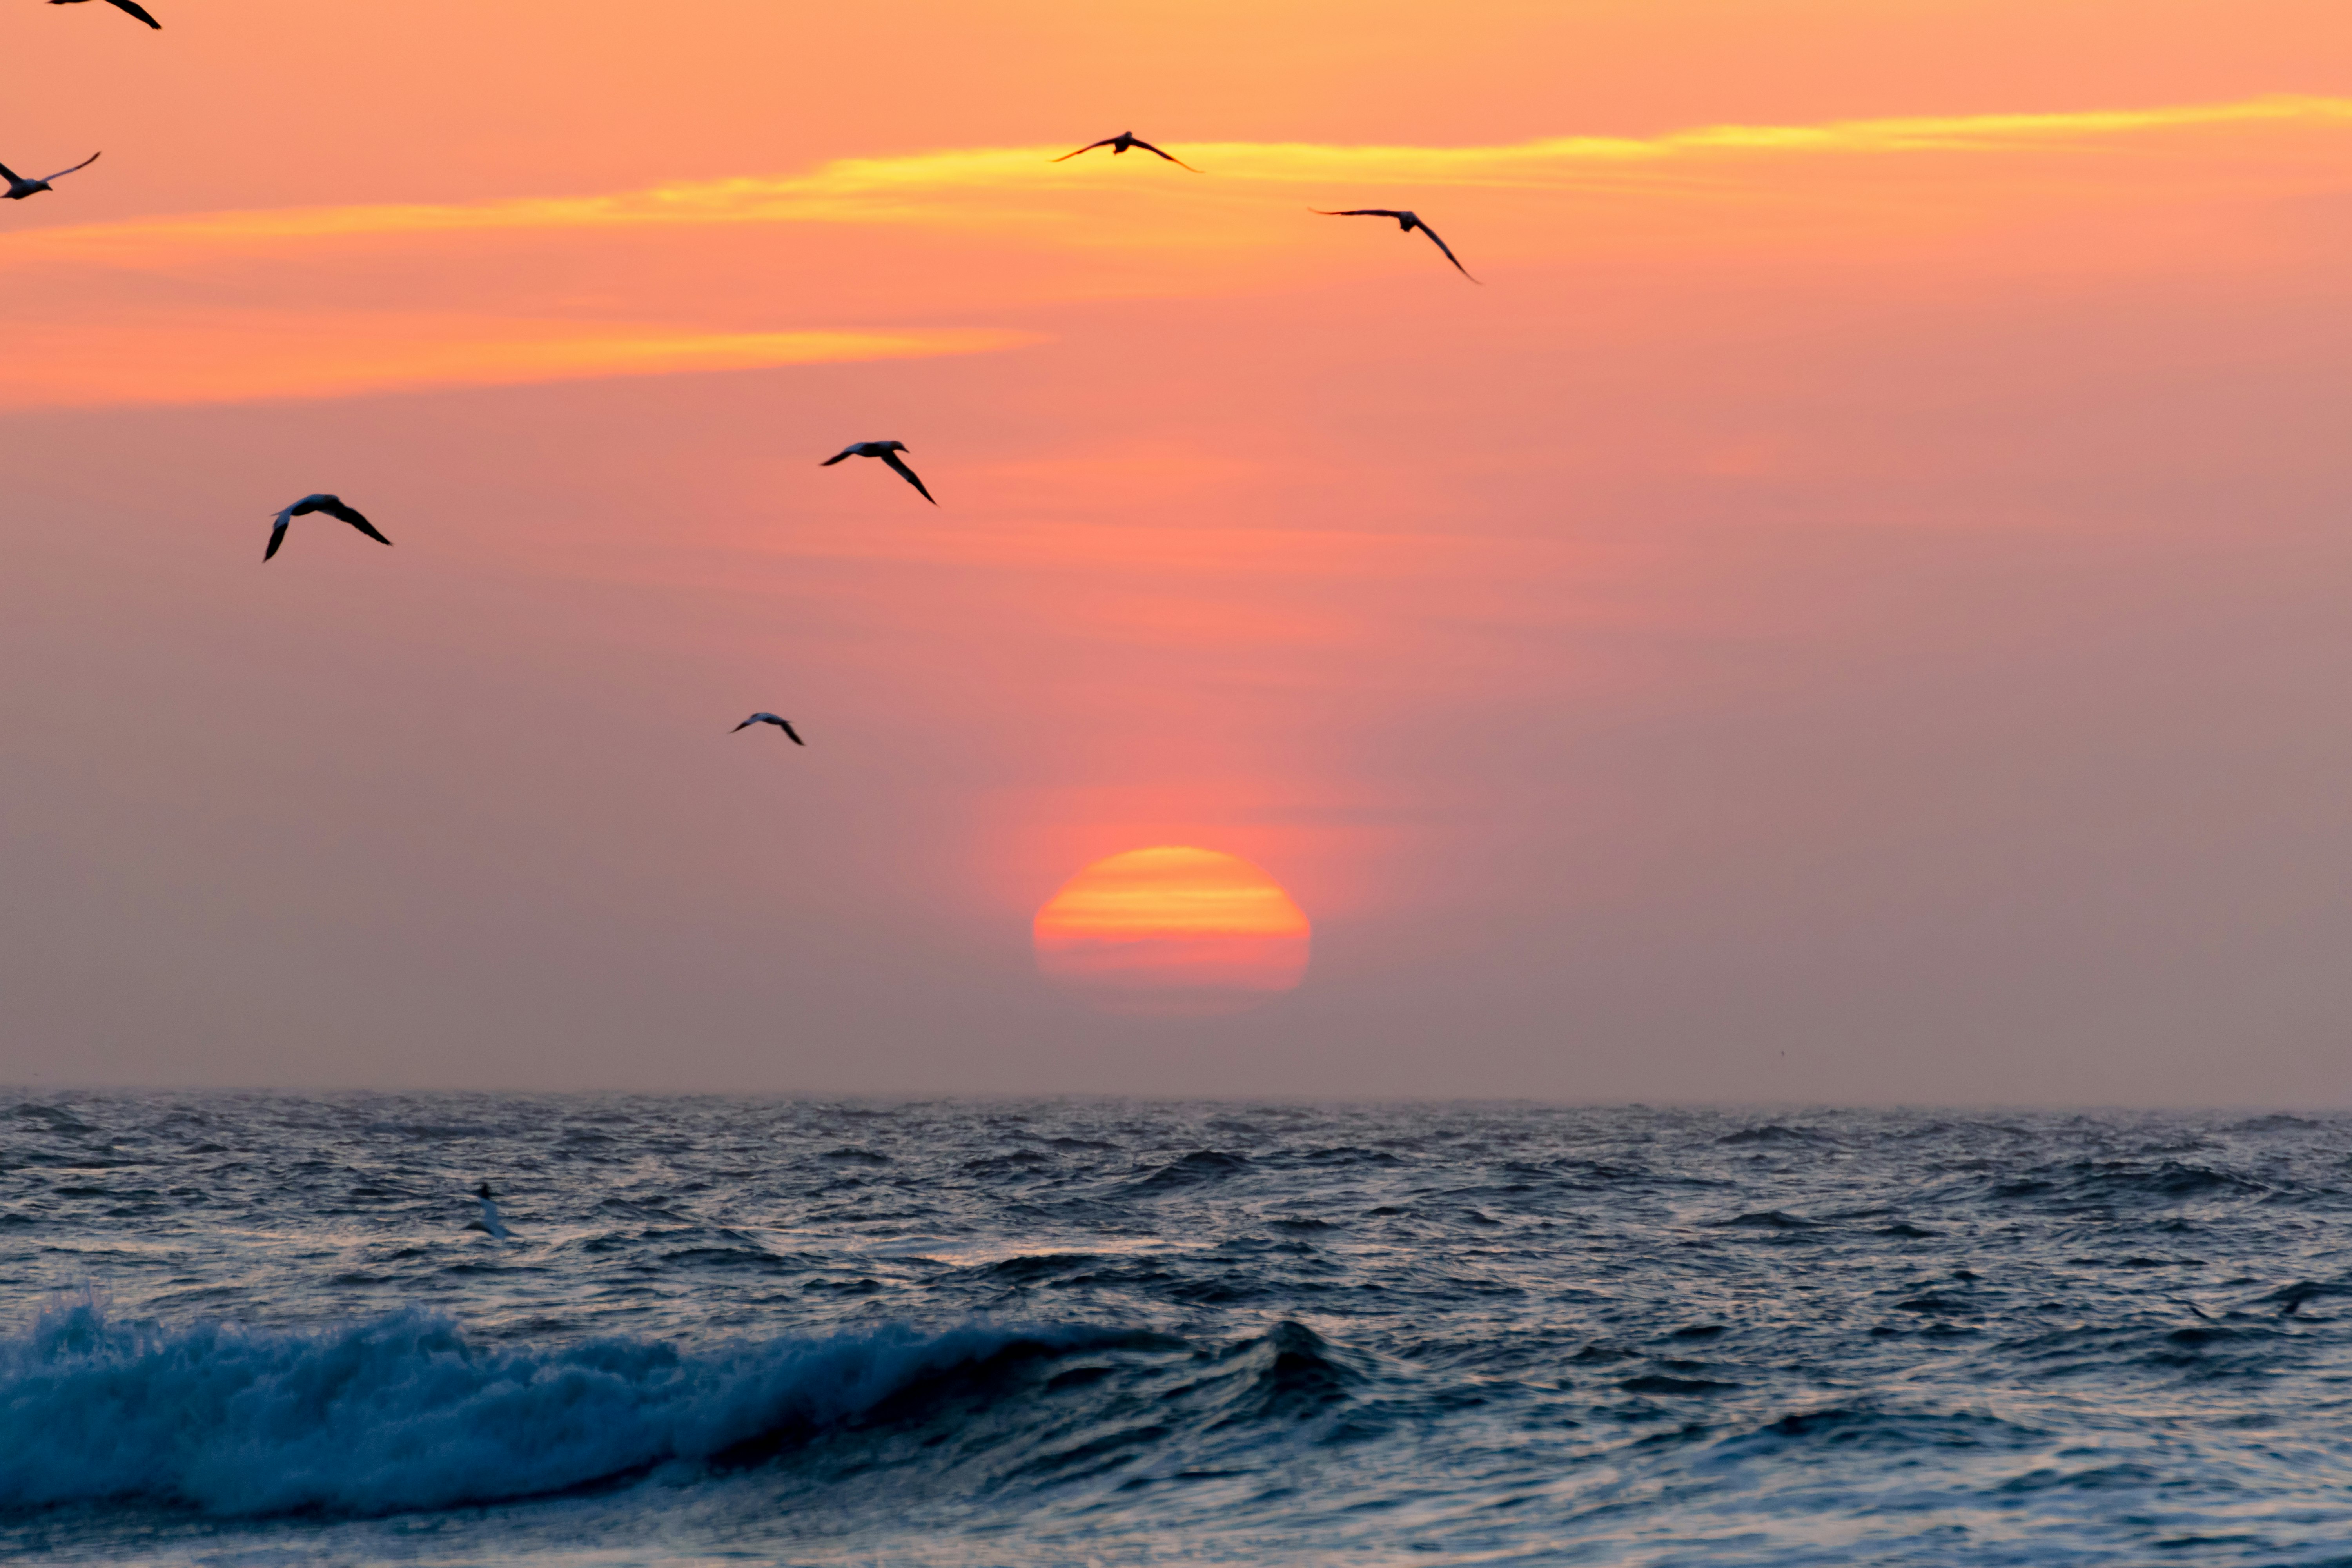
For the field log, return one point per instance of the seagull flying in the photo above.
(132, 6)
(1407, 222)
(1117, 145)
(489, 1221)
(889, 452)
(783, 724)
(20, 187)
(333, 506)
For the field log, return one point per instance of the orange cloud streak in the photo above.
(974, 187)
(231, 357)
(464, 310)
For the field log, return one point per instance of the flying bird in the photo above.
(1120, 144)
(1407, 222)
(333, 506)
(783, 724)
(489, 1221)
(130, 6)
(20, 187)
(889, 452)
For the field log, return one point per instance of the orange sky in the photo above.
(1849, 609)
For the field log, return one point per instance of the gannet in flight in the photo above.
(889, 452)
(131, 6)
(1407, 222)
(1120, 144)
(783, 724)
(20, 187)
(333, 506)
(489, 1221)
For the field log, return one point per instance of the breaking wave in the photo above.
(404, 1413)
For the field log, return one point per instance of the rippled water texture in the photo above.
(251, 1329)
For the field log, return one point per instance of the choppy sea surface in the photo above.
(251, 1329)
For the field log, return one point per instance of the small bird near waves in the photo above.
(132, 7)
(1120, 144)
(783, 724)
(889, 452)
(333, 506)
(1406, 221)
(20, 187)
(489, 1222)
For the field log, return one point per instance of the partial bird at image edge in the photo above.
(129, 7)
(20, 187)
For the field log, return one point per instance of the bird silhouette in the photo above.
(132, 7)
(1120, 144)
(889, 452)
(20, 187)
(333, 506)
(783, 724)
(1407, 222)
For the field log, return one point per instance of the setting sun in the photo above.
(1172, 930)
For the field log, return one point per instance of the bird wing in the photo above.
(277, 538)
(746, 724)
(1087, 148)
(85, 163)
(849, 451)
(351, 514)
(1449, 251)
(1170, 156)
(786, 726)
(907, 474)
(137, 10)
(1360, 212)
(9, 174)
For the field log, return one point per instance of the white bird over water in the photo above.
(333, 506)
(132, 7)
(20, 187)
(489, 1221)
(889, 452)
(783, 724)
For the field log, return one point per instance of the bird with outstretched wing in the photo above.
(1408, 222)
(333, 506)
(889, 452)
(781, 723)
(1120, 144)
(130, 6)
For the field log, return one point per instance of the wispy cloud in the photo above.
(96, 329)
(235, 357)
(940, 187)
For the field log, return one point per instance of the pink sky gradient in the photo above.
(1851, 610)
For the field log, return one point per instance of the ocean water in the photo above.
(251, 1329)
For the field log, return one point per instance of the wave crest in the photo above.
(404, 1413)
